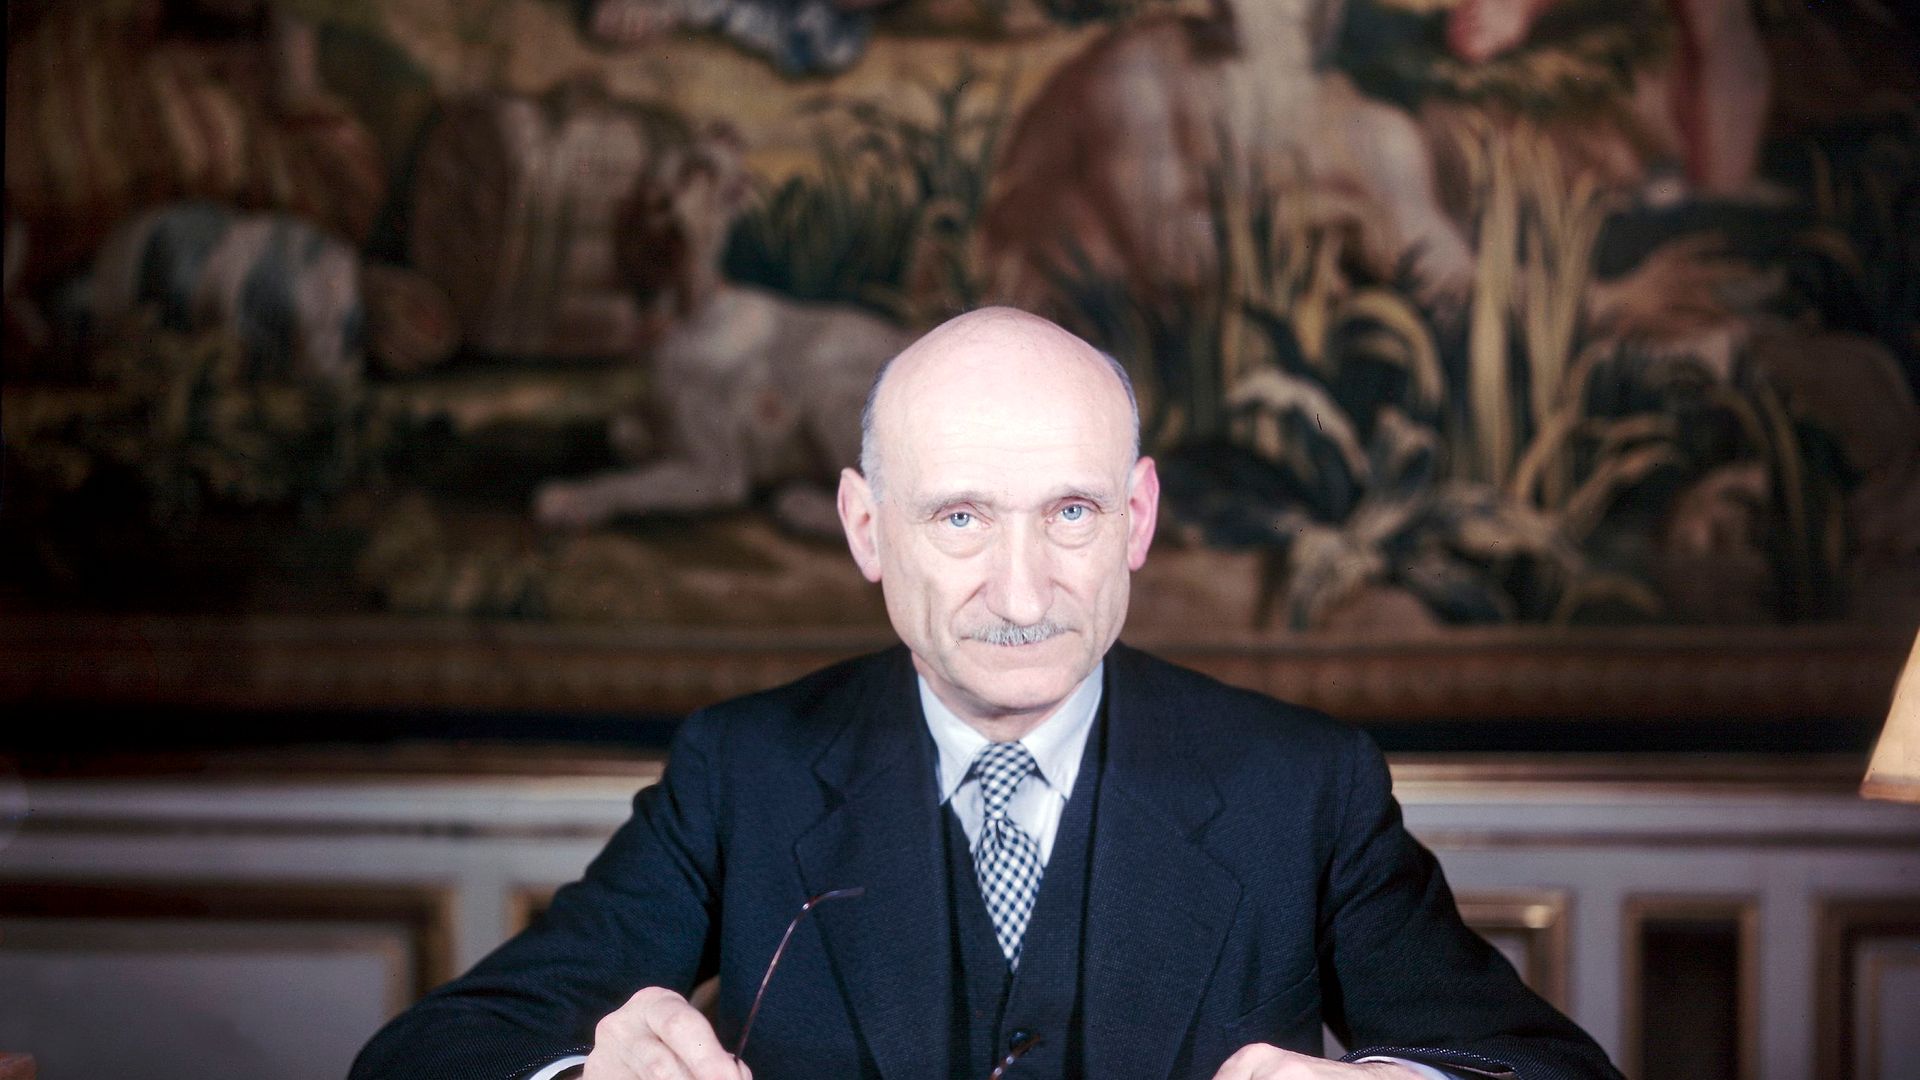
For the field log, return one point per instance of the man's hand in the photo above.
(656, 1035)
(1258, 1061)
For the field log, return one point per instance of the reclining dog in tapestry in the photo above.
(752, 391)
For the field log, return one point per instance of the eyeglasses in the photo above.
(1014, 1054)
(781, 950)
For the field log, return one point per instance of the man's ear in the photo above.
(859, 516)
(1143, 511)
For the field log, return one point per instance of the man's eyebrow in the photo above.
(1098, 496)
(933, 504)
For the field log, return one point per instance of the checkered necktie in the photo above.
(1007, 860)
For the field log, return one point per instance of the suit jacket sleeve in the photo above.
(639, 917)
(1404, 976)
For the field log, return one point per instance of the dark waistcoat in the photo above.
(995, 1008)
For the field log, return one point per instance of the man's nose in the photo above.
(1021, 590)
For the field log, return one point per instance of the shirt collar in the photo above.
(1057, 744)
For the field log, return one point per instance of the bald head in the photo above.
(995, 352)
(1017, 507)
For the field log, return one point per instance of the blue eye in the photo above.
(959, 519)
(1074, 513)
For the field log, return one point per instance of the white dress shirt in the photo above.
(1056, 745)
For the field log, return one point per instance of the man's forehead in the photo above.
(1035, 470)
(1001, 428)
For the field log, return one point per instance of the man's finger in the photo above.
(625, 1048)
(627, 1044)
(691, 1039)
(687, 1034)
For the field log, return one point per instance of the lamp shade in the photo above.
(1894, 772)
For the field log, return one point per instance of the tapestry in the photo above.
(1441, 313)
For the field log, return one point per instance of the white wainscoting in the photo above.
(264, 923)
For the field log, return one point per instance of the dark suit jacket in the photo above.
(1250, 877)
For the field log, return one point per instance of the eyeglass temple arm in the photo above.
(780, 950)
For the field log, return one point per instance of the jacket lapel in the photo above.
(1158, 905)
(890, 947)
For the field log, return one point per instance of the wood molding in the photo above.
(1743, 911)
(1843, 923)
(1538, 915)
(1563, 775)
(1530, 673)
(449, 760)
(425, 912)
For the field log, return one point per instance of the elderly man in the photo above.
(1066, 848)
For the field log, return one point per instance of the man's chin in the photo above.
(1025, 678)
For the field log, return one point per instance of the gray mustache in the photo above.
(1006, 633)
